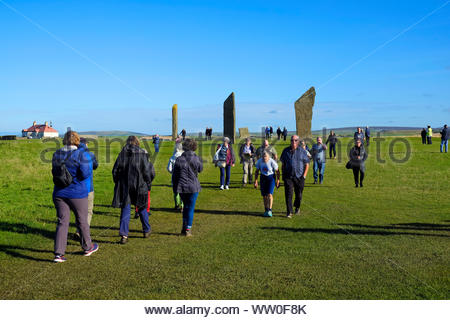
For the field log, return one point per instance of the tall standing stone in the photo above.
(229, 118)
(303, 113)
(174, 122)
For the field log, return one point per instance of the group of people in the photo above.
(133, 173)
(427, 136)
(208, 133)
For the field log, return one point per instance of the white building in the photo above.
(38, 131)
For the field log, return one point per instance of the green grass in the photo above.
(389, 240)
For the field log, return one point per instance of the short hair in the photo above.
(178, 147)
(133, 140)
(445, 126)
(71, 138)
(248, 139)
(189, 145)
(265, 152)
(226, 139)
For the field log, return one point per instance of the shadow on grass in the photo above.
(13, 252)
(26, 229)
(238, 213)
(354, 232)
(406, 226)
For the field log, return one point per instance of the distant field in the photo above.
(388, 240)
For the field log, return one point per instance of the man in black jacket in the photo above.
(133, 174)
(445, 135)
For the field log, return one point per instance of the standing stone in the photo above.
(243, 133)
(229, 118)
(174, 122)
(304, 112)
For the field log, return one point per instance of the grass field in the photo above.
(388, 240)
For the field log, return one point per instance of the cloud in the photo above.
(427, 95)
(273, 111)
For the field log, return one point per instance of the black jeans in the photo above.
(292, 186)
(332, 150)
(358, 174)
(367, 141)
(424, 140)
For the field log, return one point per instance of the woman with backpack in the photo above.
(185, 182)
(224, 159)
(133, 174)
(71, 169)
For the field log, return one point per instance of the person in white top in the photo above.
(270, 177)
(176, 153)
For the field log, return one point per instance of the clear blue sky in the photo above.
(124, 63)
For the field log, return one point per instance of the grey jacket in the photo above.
(185, 173)
(353, 155)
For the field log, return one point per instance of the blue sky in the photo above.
(121, 65)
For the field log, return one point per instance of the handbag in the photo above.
(348, 165)
(221, 164)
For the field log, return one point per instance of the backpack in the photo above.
(61, 176)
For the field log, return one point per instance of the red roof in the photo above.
(40, 128)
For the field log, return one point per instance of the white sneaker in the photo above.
(221, 188)
(226, 187)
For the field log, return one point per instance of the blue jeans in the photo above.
(444, 143)
(319, 170)
(125, 220)
(189, 200)
(156, 147)
(222, 175)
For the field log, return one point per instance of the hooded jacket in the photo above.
(185, 173)
(133, 174)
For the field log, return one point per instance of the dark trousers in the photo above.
(367, 141)
(80, 209)
(125, 220)
(284, 137)
(293, 186)
(424, 140)
(429, 140)
(223, 180)
(332, 150)
(189, 200)
(358, 174)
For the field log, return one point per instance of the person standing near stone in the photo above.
(156, 141)
(270, 177)
(266, 147)
(429, 135)
(186, 183)
(246, 154)
(271, 132)
(71, 170)
(224, 159)
(295, 166)
(423, 134)
(359, 135)
(267, 132)
(285, 133)
(318, 155)
(133, 174)
(332, 140)
(183, 134)
(367, 135)
(358, 156)
(210, 133)
(445, 135)
(176, 153)
(83, 147)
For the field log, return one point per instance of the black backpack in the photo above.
(61, 176)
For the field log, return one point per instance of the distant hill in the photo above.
(112, 133)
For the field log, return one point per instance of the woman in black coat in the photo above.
(133, 174)
(358, 156)
(185, 182)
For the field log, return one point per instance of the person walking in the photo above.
(224, 159)
(367, 135)
(358, 156)
(295, 166)
(285, 133)
(72, 171)
(429, 135)
(176, 153)
(156, 141)
(332, 140)
(445, 135)
(83, 147)
(359, 135)
(319, 158)
(270, 132)
(278, 133)
(270, 177)
(423, 134)
(266, 147)
(133, 174)
(183, 134)
(247, 154)
(185, 182)
(267, 131)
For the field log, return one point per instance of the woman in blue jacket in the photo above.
(78, 164)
